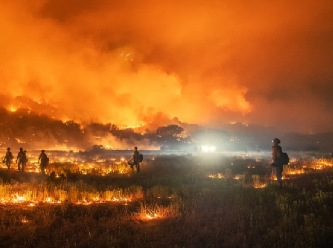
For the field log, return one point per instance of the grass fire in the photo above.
(176, 200)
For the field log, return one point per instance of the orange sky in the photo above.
(134, 62)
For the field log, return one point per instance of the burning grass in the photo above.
(175, 201)
(76, 193)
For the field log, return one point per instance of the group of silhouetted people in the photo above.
(43, 160)
(22, 159)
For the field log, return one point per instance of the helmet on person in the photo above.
(277, 141)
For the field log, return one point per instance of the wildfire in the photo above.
(19, 199)
(24, 220)
(326, 162)
(12, 108)
(60, 164)
(319, 164)
(290, 170)
(16, 199)
(260, 186)
(33, 195)
(218, 175)
(257, 182)
(156, 212)
(151, 216)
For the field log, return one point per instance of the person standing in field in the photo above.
(24, 160)
(8, 158)
(277, 162)
(43, 161)
(19, 159)
(135, 160)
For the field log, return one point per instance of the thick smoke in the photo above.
(148, 63)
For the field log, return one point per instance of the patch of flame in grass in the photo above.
(289, 171)
(71, 193)
(24, 220)
(151, 216)
(217, 175)
(260, 185)
(257, 182)
(19, 198)
(156, 212)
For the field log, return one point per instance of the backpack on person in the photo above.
(285, 158)
(140, 157)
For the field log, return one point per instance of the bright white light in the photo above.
(206, 148)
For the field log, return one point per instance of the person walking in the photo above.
(277, 161)
(24, 160)
(8, 158)
(19, 159)
(135, 160)
(43, 161)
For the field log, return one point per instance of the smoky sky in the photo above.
(137, 63)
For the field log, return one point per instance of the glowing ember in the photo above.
(12, 108)
(259, 185)
(19, 199)
(151, 216)
(24, 220)
(218, 175)
(289, 171)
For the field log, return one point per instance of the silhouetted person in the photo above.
(277, 162)
(8, 158)
(24, 160)
(43, 161)
(19, 159)
(135, 160)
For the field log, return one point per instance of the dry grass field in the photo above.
(206, 200)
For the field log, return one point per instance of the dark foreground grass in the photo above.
(197, 211)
